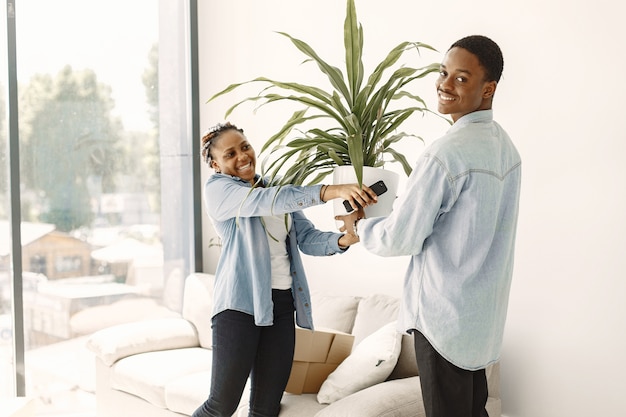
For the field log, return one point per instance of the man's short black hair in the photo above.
(488, 53)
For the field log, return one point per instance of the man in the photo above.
(457, 220)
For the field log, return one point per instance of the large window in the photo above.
(106, 135)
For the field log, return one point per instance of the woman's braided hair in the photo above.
(208, 139)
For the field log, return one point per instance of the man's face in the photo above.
(461, 86)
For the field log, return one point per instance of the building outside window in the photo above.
(99, 152)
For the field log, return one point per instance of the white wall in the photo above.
(561, 99)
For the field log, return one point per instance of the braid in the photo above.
(211, 134)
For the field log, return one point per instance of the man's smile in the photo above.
(445, 97)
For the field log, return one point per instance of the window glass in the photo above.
(90, 186)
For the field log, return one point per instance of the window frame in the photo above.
(183, 83)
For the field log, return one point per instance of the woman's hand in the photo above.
(348, 239)
(351, 192)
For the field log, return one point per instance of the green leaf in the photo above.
(352, 123)
(353, 44)
(402, 159)
(295, 119)
(333, 73)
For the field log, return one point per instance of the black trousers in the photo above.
(448, 390)
(242, 349)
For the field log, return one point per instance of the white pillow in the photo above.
(334, 311)
(370, 363)
(374, 312)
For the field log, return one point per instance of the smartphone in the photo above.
(378, 187)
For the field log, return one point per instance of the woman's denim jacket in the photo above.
(243, 275)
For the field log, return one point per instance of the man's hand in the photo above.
(349, 220)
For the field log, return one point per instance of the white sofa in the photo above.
(161, 367)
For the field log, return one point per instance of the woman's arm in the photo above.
(313, 241)
(226, 197)
(351, 192)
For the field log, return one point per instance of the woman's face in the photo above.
(461, 86)
(232, 154)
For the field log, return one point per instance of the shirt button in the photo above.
(306, 304)
(300, 289)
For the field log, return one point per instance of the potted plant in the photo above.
(353, 124)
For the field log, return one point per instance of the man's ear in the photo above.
(490, 89)
(215, 166)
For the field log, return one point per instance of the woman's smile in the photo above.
(245, 167)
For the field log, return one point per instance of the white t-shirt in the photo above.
(277, 227)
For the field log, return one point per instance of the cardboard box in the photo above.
(317, 354)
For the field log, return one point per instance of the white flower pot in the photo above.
(345, 175)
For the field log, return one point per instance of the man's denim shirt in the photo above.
(457, 221)
(243, 275)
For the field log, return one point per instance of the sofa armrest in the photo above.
(117, 342)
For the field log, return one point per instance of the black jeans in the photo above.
(242, 349)
(447, 390)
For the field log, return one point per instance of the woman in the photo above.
(260, 279)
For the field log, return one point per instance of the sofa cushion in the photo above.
(398, 398)
(493, 379)
(186, 393)
(407, 365)
(92, 319)
(335, 312)
(147, 374)
(198, 305)
(292, 405)
(127, 339)
(370, 363)
(374, 312)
